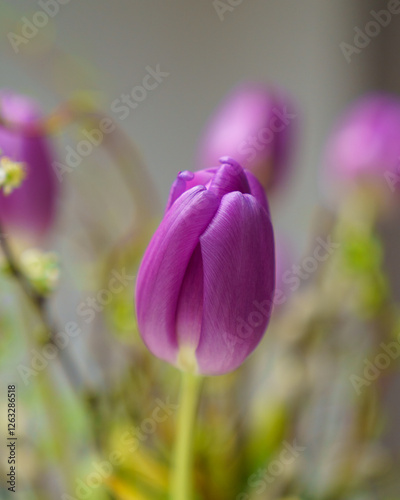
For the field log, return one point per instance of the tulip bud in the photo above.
(29, 208)
(205, 286)
(254, 124)
(365, 144)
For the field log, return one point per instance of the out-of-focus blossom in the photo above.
(205, 285)
(30, 208)
(41, 268)
(365, 143)
(12, 174)
(253, 124)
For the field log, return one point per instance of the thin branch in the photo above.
(39, 302)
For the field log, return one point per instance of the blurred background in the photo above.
(96, 51)
(104, 47)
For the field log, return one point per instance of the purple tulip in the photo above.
(30, 209)
(254, 124)
(366, 140)
(205, 285)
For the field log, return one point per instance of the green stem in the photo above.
(182, 467)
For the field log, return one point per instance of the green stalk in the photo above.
(181, 480)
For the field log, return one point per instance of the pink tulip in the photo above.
(205, 285)
(253, 124)
(366, 141)
(31, 208)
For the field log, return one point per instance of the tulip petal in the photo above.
(31, 207)
(202, 177)
(229, 178)
(187, 180)
(18, 109)
(190, 303)
(178, 187)
(239, 278)
(164, 266)
(257, 190)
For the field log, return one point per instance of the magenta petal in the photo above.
(164, 266)
(189, 312)
(178, 187)
(365, 141)
(19, 109)
(239, 280)
(252, 125)
(32, 207)
(187, 180)
(201, 177)
(229, 178)
(257, 190)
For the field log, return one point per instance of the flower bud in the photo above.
(41, 268)
(254, 124)
(29, 207)
(11, 174)
(365, 144)
(205, 286)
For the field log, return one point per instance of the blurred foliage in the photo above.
(307, 417)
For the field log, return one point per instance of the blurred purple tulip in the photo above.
(253, 124)
(366, 141)
(205, 285)
(30, 209)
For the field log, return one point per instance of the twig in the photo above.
(39, 302)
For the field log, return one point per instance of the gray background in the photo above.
(105, 46)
